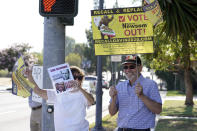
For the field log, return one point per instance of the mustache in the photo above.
(130, 73)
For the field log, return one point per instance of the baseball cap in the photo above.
(132, 59)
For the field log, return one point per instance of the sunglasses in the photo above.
(130, 67)
(78, 77)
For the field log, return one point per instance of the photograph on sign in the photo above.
(121, 31)
(60, 76)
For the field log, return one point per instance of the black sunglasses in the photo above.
(130, 67)
(78, 77)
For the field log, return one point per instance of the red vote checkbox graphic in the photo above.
(121, 18)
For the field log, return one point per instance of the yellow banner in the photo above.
(153, 12)
(121, 31)
(21, 86)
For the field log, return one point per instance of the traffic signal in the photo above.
(58, 8)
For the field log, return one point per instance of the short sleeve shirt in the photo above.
(132, 111)
(69, 110)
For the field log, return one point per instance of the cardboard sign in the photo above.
(37, 74)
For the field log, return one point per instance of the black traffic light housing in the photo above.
(58, 8)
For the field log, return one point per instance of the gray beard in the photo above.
(132, 77)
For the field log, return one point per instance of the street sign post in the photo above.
(152, 72)
(114, 60)
(99, 92)
(58, 14)
(54, 54)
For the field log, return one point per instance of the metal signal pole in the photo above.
(54, 54)
(99, 92)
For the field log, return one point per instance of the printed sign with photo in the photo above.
(60, 76)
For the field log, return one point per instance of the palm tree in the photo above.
(180, 23)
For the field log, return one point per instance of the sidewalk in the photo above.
(164, 98)
(5, 84)
(5, 81)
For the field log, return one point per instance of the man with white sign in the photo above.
(35, 101)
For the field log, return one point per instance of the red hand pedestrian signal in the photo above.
(48, 4)
(58, 8)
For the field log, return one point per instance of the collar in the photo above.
(140, 78)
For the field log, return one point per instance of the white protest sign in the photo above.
(37, 74)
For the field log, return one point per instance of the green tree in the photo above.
(181, 25)
(69, 45)
(175, 43)
(73, 59)
(89, 51)
(38, 58)
(89, 54)
(9, 56)
(79, 49)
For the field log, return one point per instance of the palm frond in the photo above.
(180, 18)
